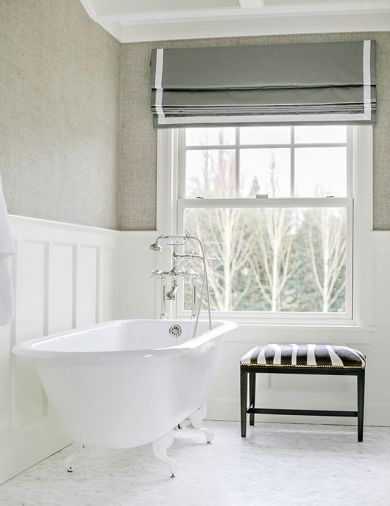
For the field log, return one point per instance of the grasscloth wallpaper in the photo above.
(77, 142)
(137, 160)
(59, 98)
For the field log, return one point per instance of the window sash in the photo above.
(360, 156)
(267, 203)
(237, 147)
(180, 203)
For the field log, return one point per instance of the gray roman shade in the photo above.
(270, 84)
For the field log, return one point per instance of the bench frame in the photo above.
(251, 371)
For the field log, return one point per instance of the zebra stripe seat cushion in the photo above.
(304, 355)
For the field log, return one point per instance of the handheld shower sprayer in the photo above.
(170, 240)
(156, 246)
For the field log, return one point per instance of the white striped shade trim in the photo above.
(158, 85)
(367, 78)
(282, 118)
(366, 116)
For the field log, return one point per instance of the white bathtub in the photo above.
(126, 383)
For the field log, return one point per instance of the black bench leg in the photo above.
(360, 392)
(243, 396)
(252, 396)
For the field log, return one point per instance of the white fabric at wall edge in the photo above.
(7, 250)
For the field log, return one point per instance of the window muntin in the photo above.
(304, 224)
(265, 160)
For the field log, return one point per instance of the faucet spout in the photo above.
(171, 295)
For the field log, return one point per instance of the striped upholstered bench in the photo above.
(300, 359)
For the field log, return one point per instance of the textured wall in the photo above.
(59, 89)
(137, 164)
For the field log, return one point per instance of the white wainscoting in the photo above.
(69, 275)
(136, 287)
(65, 276)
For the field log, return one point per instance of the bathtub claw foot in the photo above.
(69, 460)
(197, 423)
(160, 448)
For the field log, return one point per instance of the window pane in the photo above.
(320, 134)
(210, 173)
(274, 260)
(321, 172)
(265, 171)
(210, 136)
(265, 135)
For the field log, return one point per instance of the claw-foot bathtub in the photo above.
(126, 383)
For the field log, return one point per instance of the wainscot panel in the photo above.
(65, 276)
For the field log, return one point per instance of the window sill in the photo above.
(293, 321)
(296, 321)
(319, 327)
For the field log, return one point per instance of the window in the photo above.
(274, 207)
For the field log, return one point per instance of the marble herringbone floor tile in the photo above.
(277, 465)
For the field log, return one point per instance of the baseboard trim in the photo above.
(30, 450)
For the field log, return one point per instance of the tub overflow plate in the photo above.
(175, 330)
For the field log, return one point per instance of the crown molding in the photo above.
(245, 4)
(113, 27)
(350, 16)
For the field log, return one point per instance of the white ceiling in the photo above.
(146, 20)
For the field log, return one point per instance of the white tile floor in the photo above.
(278, 464)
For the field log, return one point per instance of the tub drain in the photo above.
(175, 330)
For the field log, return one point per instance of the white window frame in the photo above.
(359, 209)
